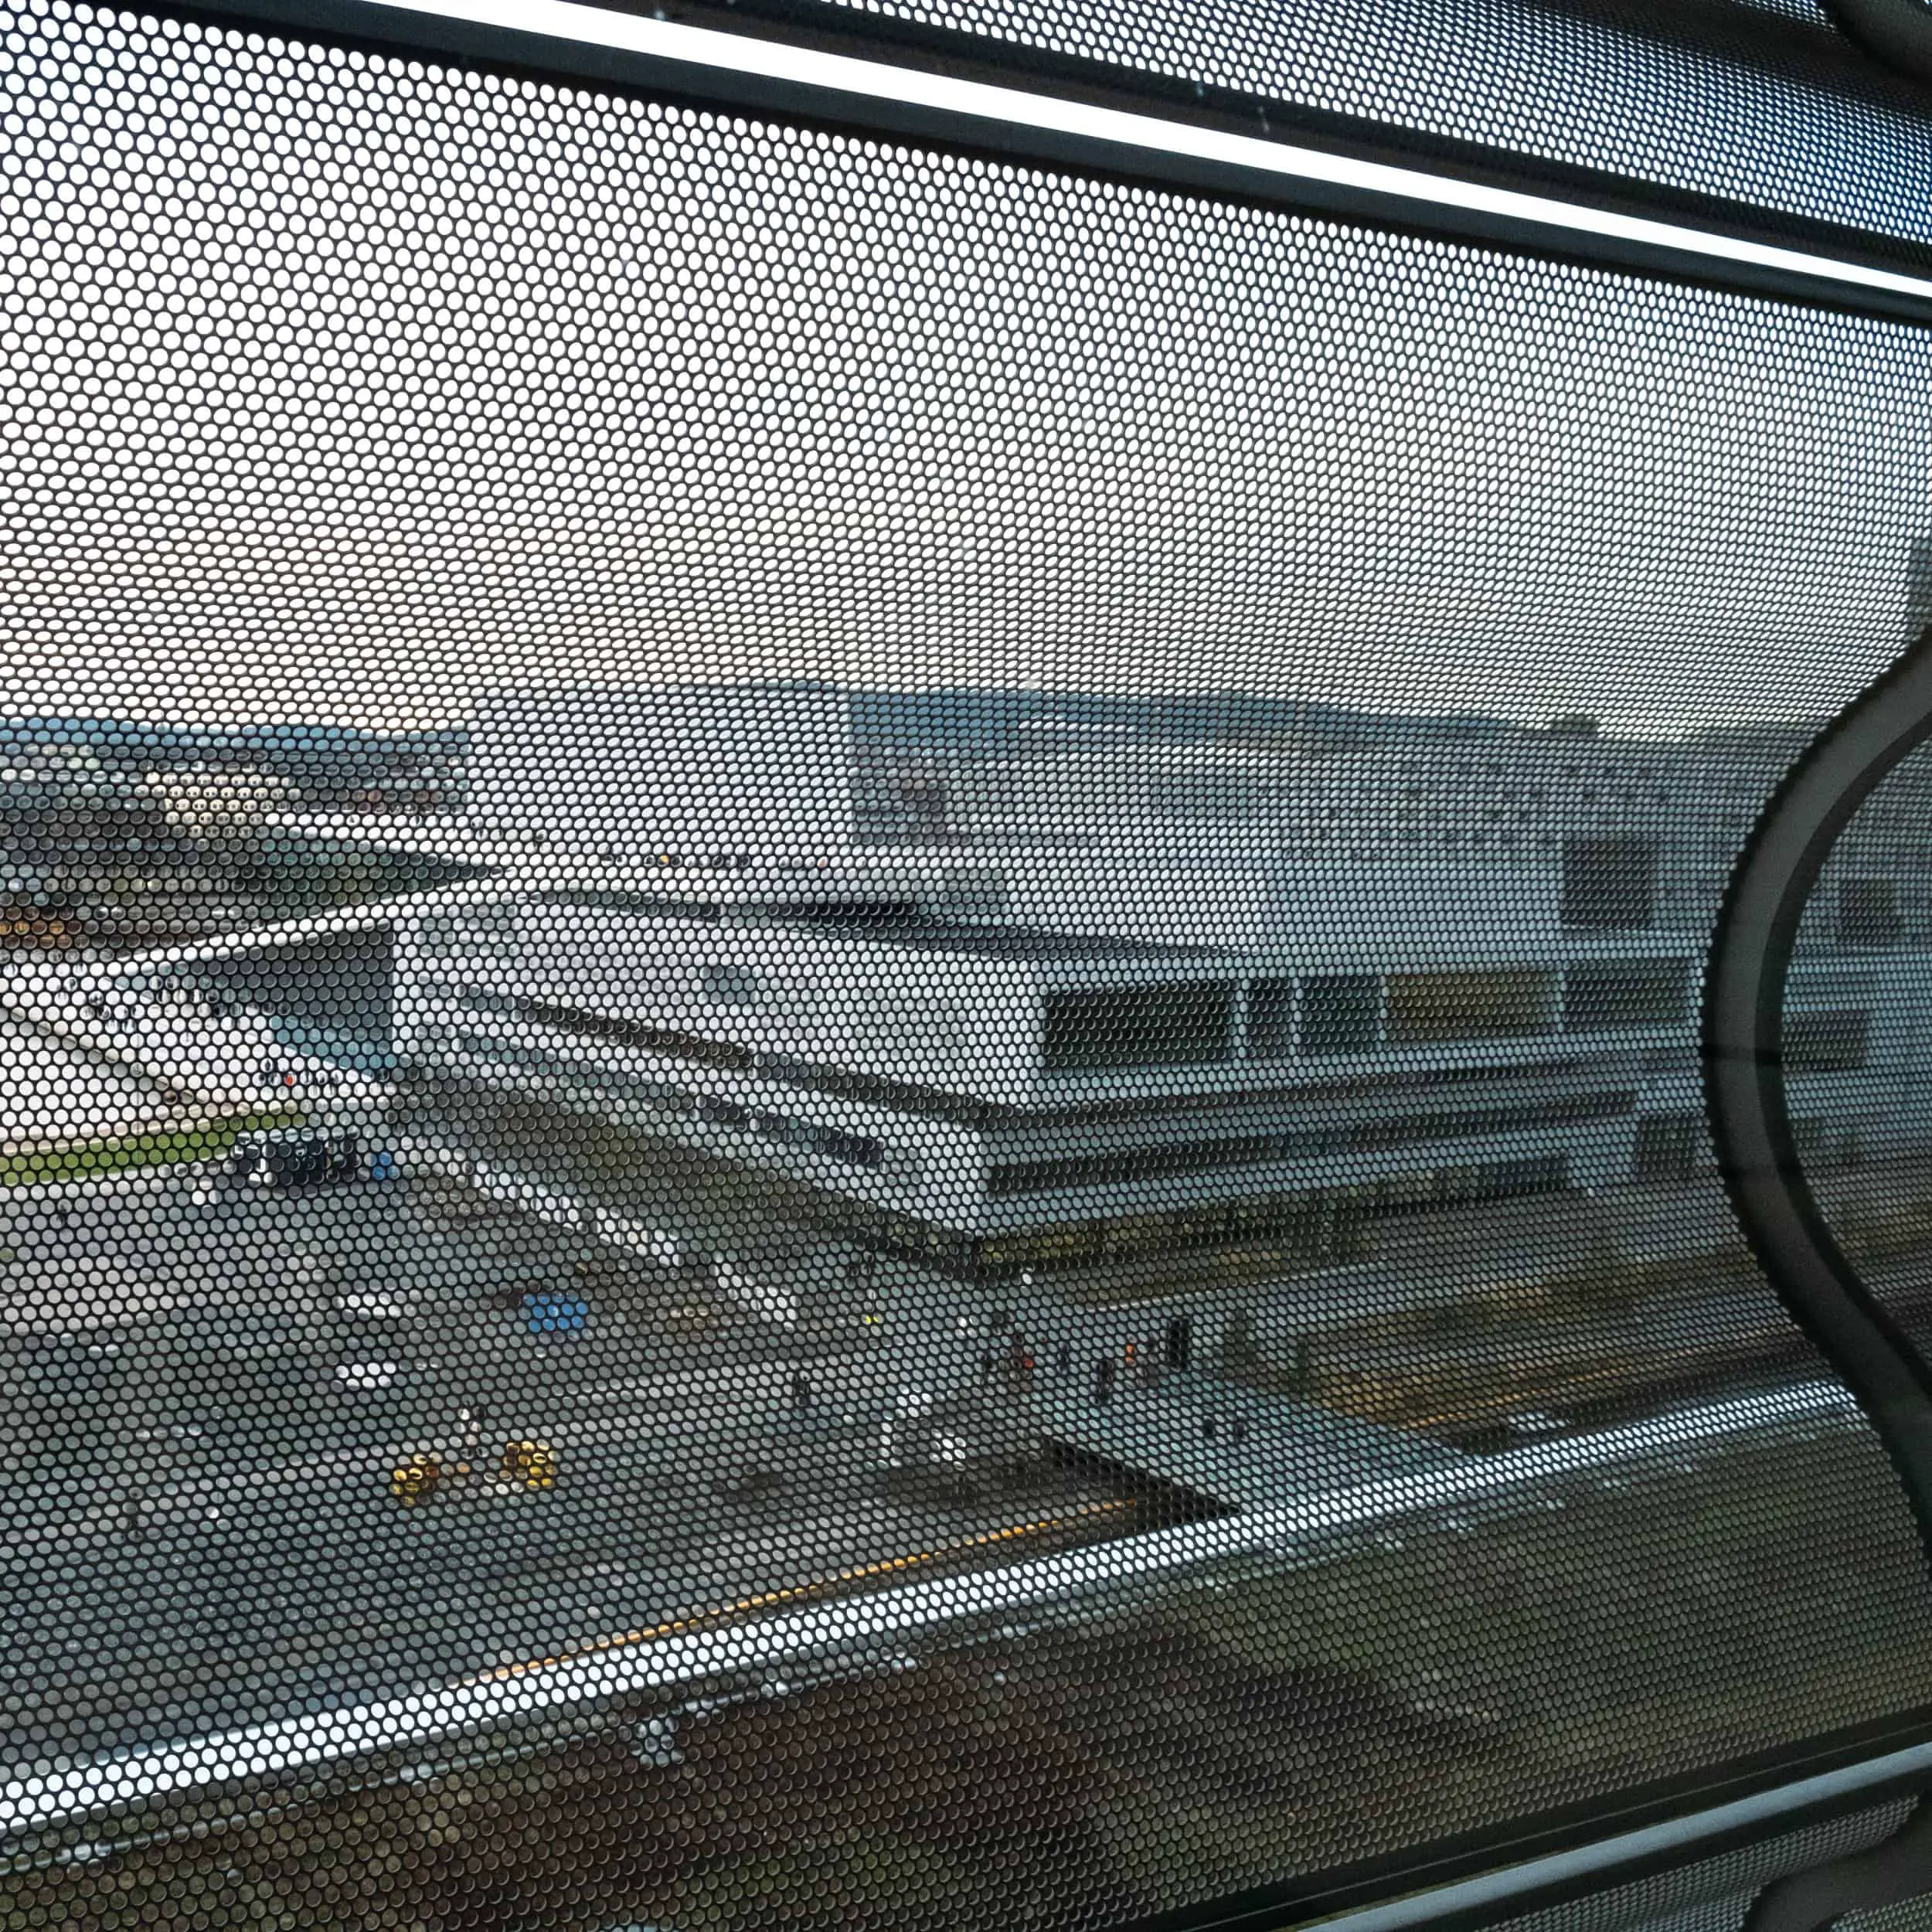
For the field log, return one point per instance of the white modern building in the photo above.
(1284, 1038)
(1097, 1002)
(1100, 1000)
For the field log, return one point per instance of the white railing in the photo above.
(857, 1627)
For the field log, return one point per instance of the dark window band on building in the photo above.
(1501, 1003)
(544, 1063)
(1671, 1148)
(1008, 1178)
(856, 1150)
(1609, 884)
(1826, 1043)
(1869, 917)
(1312, 1228)
(1601, 994)
(1185, 1023)
(1342, 1008)
(1271, 1011)
(1341, 1013)
(656, 1039)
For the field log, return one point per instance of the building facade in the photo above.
(1100, 1006)
(1095, 1003)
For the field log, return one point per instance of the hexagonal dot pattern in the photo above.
(850, 1009)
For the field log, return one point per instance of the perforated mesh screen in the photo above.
(850, 1009)
(1759, 101)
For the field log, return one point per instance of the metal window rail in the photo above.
(1744, 1058)
(1897, 31)
(1602, 220)
(1538, 1862)
(1233, 150)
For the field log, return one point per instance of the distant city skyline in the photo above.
(1021, 720)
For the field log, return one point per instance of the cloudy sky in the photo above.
(343, 390)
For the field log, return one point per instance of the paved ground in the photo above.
(198, 1521)
(174, 1344)
(1238, 1448)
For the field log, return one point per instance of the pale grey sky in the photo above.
(343, 390)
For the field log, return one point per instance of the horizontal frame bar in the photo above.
(1556, 1856)
(1628, 1857)
(745, 73)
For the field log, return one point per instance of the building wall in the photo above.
(710, 776)
(857, 1062)
(886, 1158)
(969, 1027)
(1375, 912)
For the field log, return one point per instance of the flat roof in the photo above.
(1005, 942)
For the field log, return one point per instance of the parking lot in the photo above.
(208, 1388)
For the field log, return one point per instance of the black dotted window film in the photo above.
(1758, 101)
(593, 685)
(1910, 1917)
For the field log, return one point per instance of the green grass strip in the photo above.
(108, 1156)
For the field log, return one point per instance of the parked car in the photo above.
(297, 1157)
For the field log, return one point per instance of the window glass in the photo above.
(1271, 1007)
(1341, 1013)
(1491, 1004)
(1826, 1043)
(1642, 993)
(1868, 913)
(847, 1076)
(1126, 1026)
(1609, 885)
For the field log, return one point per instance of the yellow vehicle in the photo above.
(415, 1477)
(36, 928)
(532, 1464)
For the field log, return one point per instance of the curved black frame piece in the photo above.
(1897, 32)
(1742, 1028)
(1889, 1874)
